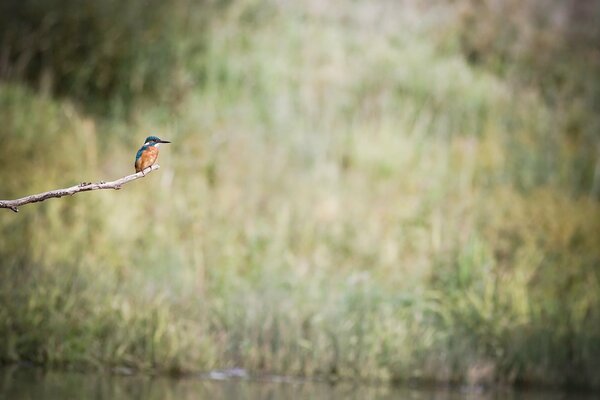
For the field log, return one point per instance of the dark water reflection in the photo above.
(30, 383)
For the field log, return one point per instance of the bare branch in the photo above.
(82, 187)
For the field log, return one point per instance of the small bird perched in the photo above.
(148, 153)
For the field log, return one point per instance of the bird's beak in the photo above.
(165, 141)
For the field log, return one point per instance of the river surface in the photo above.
(32, 383)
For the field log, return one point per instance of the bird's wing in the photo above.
(140, 152)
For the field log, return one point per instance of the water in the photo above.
(31, 383)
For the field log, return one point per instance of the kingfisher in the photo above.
(148, 153)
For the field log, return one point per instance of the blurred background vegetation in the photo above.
(390, 190)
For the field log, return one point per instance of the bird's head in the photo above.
(154, 141)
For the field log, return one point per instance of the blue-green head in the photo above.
(152, 140)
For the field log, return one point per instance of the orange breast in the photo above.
(148, 158)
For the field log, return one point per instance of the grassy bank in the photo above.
(342, 198)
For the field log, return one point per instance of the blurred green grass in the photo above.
(346, 196)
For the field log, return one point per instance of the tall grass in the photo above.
(342, 199)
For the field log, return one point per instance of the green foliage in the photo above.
(551, 46)
(106, 53)
(341, 199)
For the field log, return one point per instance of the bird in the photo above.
(148, 153)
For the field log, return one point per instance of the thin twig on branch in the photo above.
(82, 187)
